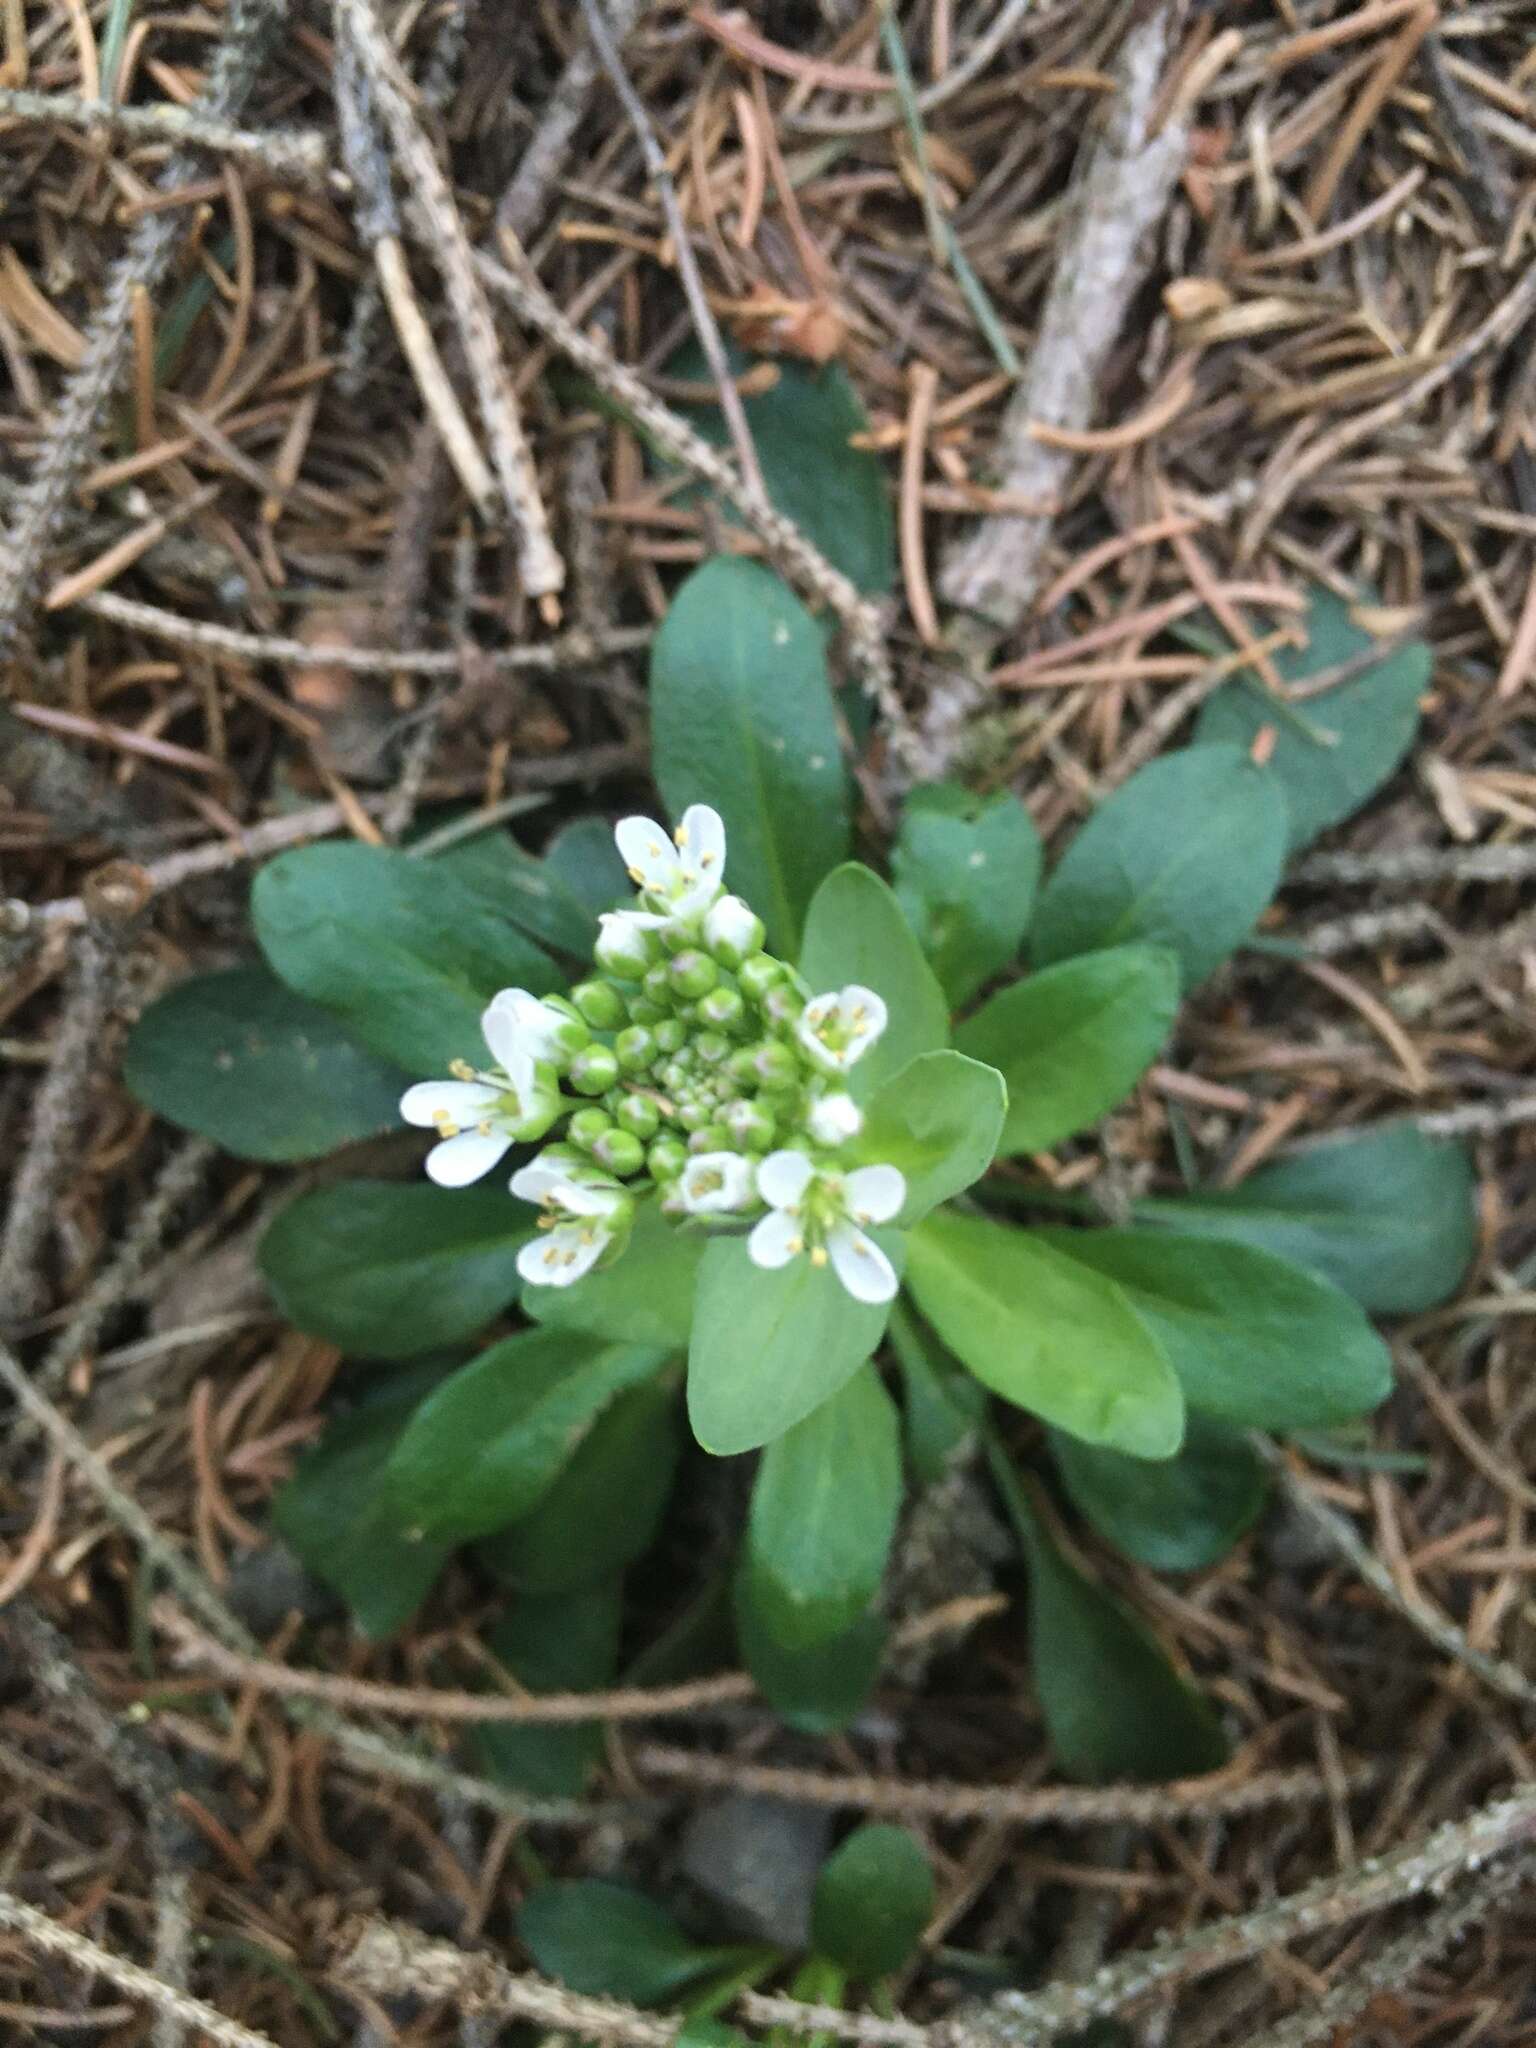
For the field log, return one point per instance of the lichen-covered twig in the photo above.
(287, 155)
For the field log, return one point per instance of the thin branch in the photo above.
(548, 149)
(289, 156)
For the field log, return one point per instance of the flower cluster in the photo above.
(692, 1063)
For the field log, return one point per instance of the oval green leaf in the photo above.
(1175, 1514)
(939, 1120)
(742, 717)
(1045, 1333)
(856, 932)
(384, 1270)
(873, 1899)
(646, 1297)
(240, 1059)
(816, 1689)
(965, 869)
(1186, 855)
(1073, 1040)
(562, 1642)
(611, 1941)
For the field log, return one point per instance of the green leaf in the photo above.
(1176, 1514)
(1389, 1215)
(938, 1119)
(583, 857)
(385, 1269)
(646, 1297)
(611, 1941)
(1254, 1339)
(1073, 1041)
(240, 1059)
(942, 1404)
(1114, 1706)
(1045, 1333)
(530, 891)
(485, 1448)
(768, 1347)
(562, 1642)
(405, 953)
(1350, 738)
(802, 427)
(742, 718)
(966, 868)
(855, 932)
(334, 1514)
(824, 1508)
(1186, 854)
(815, 1690)
(873, 1899)
(603, 1509)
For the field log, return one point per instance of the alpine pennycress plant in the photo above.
(742, 1130)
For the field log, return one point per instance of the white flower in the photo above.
(826, 1214)
(840, 1027)
(682, 878)
(624, 947)
(478, 1117)
(715, 1183)
(581, 1219)
(733, 931)
(834, 1119)
(519, 1027)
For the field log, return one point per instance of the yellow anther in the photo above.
(818, 1255)
(636, 877)
(796, 1246)
(484, 1127)
(461, 1070)
(680, 836)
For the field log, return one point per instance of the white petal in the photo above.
(775, 1240)
(831, 1059)
(519, 1028)
(864, 1014)
(834, 1119)
(860, 1264)
(783, 1178)
(557, 1257)
(646, 850)
(462, 1102)
(531, 1183)
(458, 1161)
(578, 1199)
(875, 1193)
(715, 1183)
(702, 836)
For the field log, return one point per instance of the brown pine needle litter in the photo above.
(346, 471)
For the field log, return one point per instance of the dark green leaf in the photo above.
(943, 1405)
(855, 932)
(966, 868)
(1071, 1042)
(562, 1642)
(583, 857)
(824, 1508)
(742, 718)
(768, 1347)
(334, 1514)
(1176, 1514)
(610, 1941)
(1254, 1339)
(802, 427)
(938, 1119)
(873, 1899)
(646, 1297)
(603, 1509)
(1388, 1216)
(1114, 1706)
(816, 1690)
(531, 892)
(1186, 854)
(384, 1269)
(407, 955)
(1039, 1329)
(1348, 739)
(239, 1058)
(490, 1442)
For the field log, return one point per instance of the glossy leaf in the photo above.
(1114, 1706)
(333, 1512)
(742, 718)
(942, 1405)
(1047, 1334)
(824, 1508)
(406, 954)
(1072, 1041)
(1389, 1215)
(1175, 1514)
(384, 1269)
(561, 1642)
(646, 1297)
(965, 869)
(240, 1059)
(603, 1509)
(531, 892)
(1254, 1339)
(584, 859)
(768, 1347)
(855, 932)
(873, 1900)
(487, 1446)
(939, 1119)
(1186, 854)
(610, 1940)
(1336, 748)
(816, 1689)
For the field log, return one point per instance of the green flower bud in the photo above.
(712, 1138)
(638, 1113)
(732, 931)
(635, 1048)
(694, 1114)
(740, 1066)
(600, 1004)
(588, 1127)
(676, 1076)
(751, 1126)
(539, 1106)
(712, 1048)
(666, 1159)
(657, 986)
(620, 1151)
(671, 1034)
(624, 949)
(759, 974)
(693, 973)
(775, 1066)
(782, 1006)
(723, 1008)
(643, 1011)
(594, 1070)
